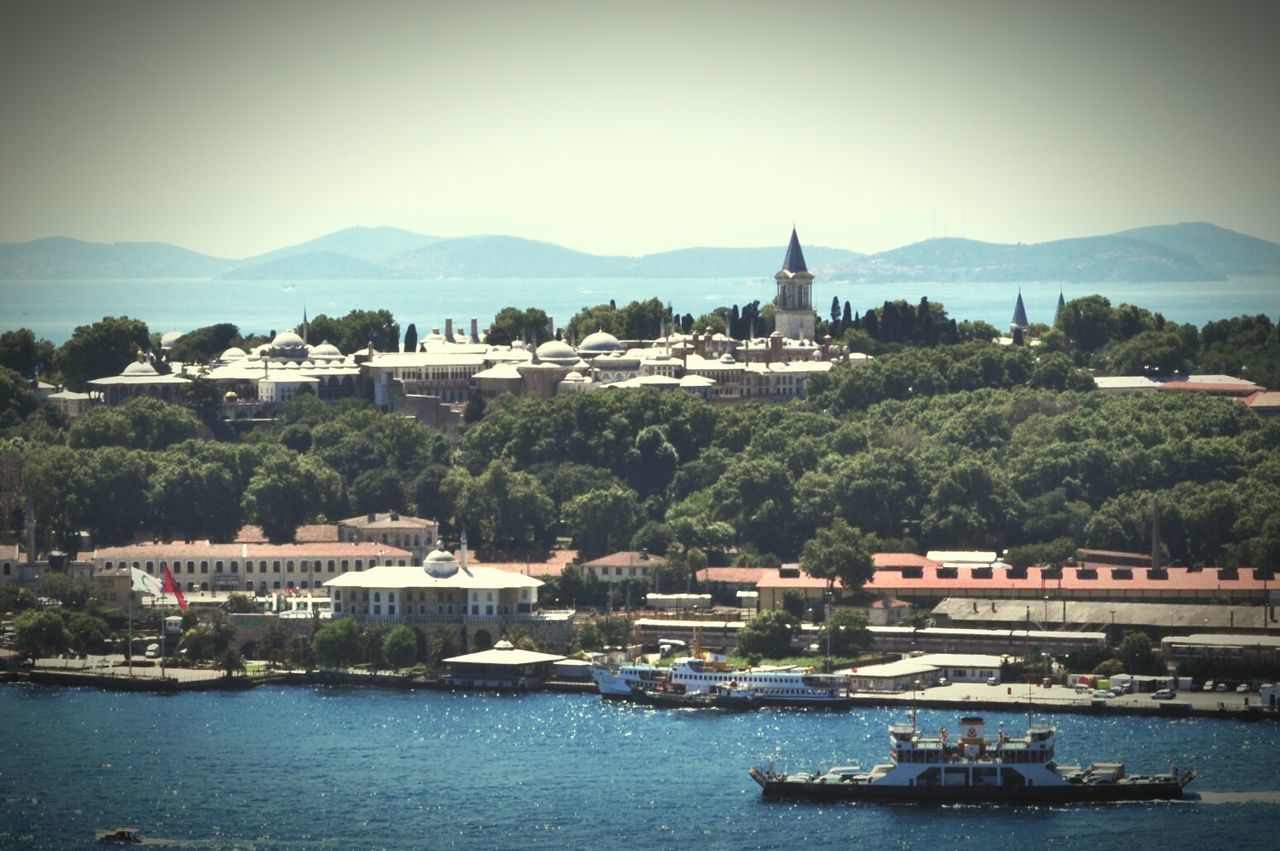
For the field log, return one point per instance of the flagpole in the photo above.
(129, 649)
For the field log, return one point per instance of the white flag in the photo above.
(146, 583)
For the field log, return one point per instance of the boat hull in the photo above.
(892, 794)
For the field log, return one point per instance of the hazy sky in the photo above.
(233, 128)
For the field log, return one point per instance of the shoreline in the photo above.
(966, 702)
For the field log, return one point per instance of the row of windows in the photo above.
(441, 609)
(332, 566)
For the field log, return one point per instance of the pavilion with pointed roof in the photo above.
(1019, 317)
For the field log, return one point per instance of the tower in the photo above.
(793, 307)
(1019, 316)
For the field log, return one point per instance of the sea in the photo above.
(53, 309)
(329, 767)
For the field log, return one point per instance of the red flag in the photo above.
(171, 587)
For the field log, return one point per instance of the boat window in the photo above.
(1012, 777)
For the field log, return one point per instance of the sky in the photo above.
(233, 128)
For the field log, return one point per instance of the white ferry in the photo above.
(793, 686)
(972, 768)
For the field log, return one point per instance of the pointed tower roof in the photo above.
(1062, 302)
(795, 257)
(1019, 313)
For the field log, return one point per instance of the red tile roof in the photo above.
(889, 561)
(553, 566)
(205, 550)
(626, 558)
(1180, 581)
(312, 533)
(734, 575)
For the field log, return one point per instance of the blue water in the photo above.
(53, 309)
(345, 768)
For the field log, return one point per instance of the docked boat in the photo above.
(791, 686)
(718, 697)
(972, 768)
(121, 836)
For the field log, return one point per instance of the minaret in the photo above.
(1062, 302)
(304, 324)
(793, 306)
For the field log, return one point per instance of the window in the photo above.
(235, 567)
(275, 567)
(391, 608)
(359, 564)
(344, 565)
(331, 565)
(204, 567)
(217, 567)
(377, 596)
(248, 566)
(276, 585)
(288, 566)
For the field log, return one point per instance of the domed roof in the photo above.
(727, 358)
(287, 340)
(557, 350)
(169, 338)
(574, 377)
(139, 368)
(600, 341)
(326, 350)
(440, 563)
(233, 354)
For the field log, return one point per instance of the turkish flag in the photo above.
(171, 587)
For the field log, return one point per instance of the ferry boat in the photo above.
(717, 697)
(970, 769)
(791, 686)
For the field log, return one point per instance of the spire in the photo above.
(1062, 302)
(795, 257)
(1019, 314)
(304, 323)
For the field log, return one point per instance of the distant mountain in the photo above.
(375, 245)
(61, 257)
(1084, 260)
(1185, 252)
(1224, 251)
(310, 266)
(501, 257)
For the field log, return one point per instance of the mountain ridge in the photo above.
(1185, 252)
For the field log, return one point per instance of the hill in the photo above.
(374, 245)
(1223, 251)
(310, 266)
(1084, 260)
(61, 257)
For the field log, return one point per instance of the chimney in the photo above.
(448, 330)
(475, 330)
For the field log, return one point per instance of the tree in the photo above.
(842, 552)
(231, 662)
(22, 353)
(586, 637)
(71, 592)
(40, 634)
(300, 653)
(288, 489)
(87, 632)
(504, 508)
(338, 644)
(400, 647)
(101, 349)
(769, 634)
(602, 520)
(411, 338)
(16, 399)
(845, 632)
(512, 324)
(274, 643)
(1135, 653)
(378, 489)
(205, 344)
(443, 644)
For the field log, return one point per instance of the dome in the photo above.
(287, 340)
(727, 358)
(139, 368)
(440, 563)
(557, 350)
(600, 341)
(233, 354)
(326, 350)
(574, 377)
(167, 340)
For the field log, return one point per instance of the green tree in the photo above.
(101, 349)
(338, 644)
(586, 637)
(71, 592)
(205, 344)
(400, 647)
(87, 633)
(1135, 653)
(16, 399)
(845, 632)
(274, 643)
(505, 509)
(512, 324)
(602, 520)
(443, 643)
(40, 634)
(842, 552)
(769, 634)
(231, 662)
(288, 489)
(300, 653)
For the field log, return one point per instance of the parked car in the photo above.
(153, 651)
(1164, 694)
(1243, 688)
(1208, 686)
(1103, 695)
(1220, 687)
(993, 681)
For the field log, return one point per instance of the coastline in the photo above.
(1197, 706)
